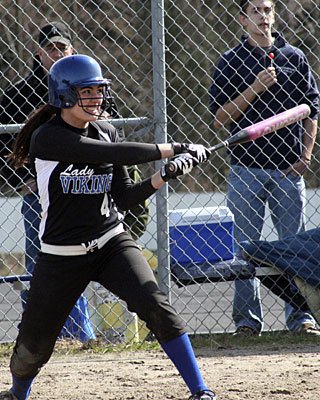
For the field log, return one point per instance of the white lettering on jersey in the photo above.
(69, 171)
(84, 181)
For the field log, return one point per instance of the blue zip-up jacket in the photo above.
(236, 70)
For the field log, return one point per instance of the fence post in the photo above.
(160, 124)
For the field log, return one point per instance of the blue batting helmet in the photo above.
(69, 73)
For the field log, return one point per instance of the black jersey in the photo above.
(82, 179)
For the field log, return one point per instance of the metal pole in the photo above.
(160, 124)
(120, 122)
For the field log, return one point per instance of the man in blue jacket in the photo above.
(261, 77)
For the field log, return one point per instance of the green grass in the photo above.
(72, 347)
(267, 341)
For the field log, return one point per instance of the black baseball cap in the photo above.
(55, 32)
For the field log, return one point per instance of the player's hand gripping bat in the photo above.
(262, 128)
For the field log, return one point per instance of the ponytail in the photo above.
(19, 155)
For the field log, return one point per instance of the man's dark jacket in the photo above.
(17, 102)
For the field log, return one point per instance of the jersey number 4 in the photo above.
(105, 209)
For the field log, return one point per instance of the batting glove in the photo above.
(178, 166)
(198, 151)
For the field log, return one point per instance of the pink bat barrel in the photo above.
(266, 126)
(261, 128)
(278, 121)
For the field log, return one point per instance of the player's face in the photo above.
(52, 52)
(259, 19)
(88, 107)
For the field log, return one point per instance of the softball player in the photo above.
(83, 183)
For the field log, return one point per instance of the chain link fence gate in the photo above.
(159, 55)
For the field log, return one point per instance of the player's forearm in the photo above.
(166, 150)
(309, 137)
(127, 195)
(82, 149)
(157, 181)
(232, 111)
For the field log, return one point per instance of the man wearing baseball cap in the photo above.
(55, 32)
(18, 102)
(54, 43)
(20, 99)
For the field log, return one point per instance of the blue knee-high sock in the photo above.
(180, 352)
(21, 388)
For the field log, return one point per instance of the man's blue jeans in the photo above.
(249, 190)
(77, 325)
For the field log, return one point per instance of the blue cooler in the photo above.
(201, 235)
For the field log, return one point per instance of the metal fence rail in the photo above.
(118, 123)
(160, 56)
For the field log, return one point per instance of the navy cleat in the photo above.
(203, 395)
(7, 396)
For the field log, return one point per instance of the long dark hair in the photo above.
(20, 152)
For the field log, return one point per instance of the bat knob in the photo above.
(172, 166)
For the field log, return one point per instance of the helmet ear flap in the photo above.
(68, 98)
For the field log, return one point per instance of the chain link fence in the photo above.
(160, 57)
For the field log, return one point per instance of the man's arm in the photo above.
(308, 141)
(309, 137)
(233, 110)
(308, 88)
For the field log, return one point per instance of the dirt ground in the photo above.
(235, 374)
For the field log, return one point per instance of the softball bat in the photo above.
(266, 126)
(260, 129)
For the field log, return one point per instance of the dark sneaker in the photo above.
(203, 395)
(307, 329)
(7, 396)
(245, 331)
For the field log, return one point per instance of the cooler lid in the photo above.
(200, 215)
